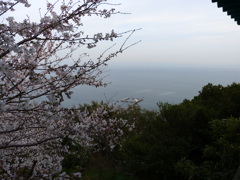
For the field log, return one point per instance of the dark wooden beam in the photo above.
(222, 1)
(233, 13)
(235, 16)
(232, 7)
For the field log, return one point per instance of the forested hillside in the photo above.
(198, 139)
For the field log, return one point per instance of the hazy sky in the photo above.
(182, 32)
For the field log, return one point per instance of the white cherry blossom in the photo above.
(34, 81)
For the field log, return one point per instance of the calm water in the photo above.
(154, 84)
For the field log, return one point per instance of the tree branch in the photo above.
(30, 144)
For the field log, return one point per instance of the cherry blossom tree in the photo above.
(35, 80)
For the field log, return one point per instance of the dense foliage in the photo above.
(197, 139)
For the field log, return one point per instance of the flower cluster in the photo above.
(105, 131)
(34, 81)
(35, 142)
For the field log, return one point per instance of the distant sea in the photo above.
(170, 84)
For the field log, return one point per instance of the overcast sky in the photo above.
(185, 32)
(181, 32)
